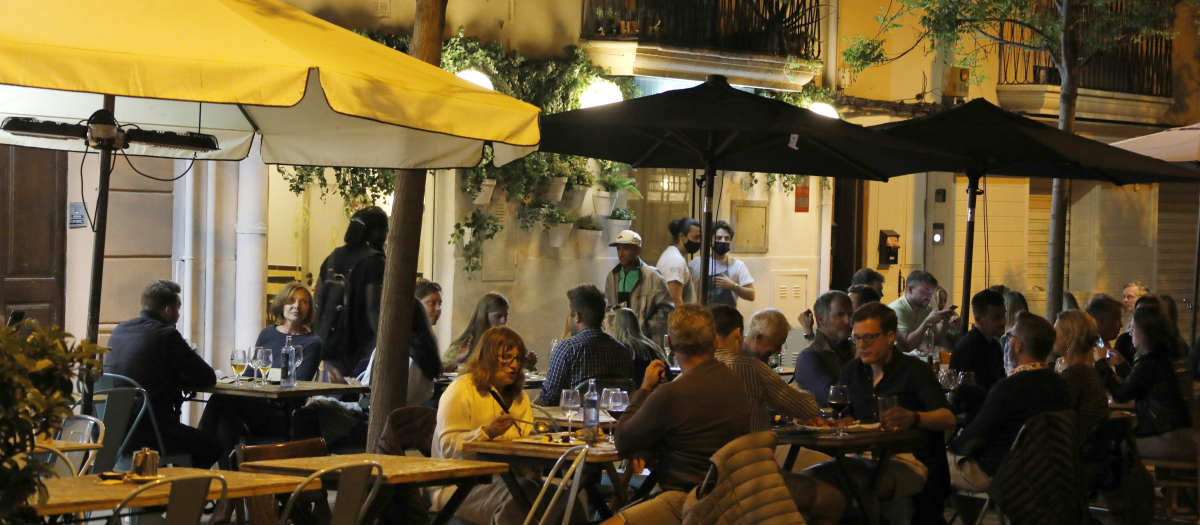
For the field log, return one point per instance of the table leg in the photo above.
(595, 497)
(790, 460)
(619, 482)
(262, 510)
(456, 500)
(518, 494)
(868, 503)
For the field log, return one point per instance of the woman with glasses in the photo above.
(486, 403)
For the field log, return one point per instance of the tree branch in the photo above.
(1006, 42)
(1019, 23)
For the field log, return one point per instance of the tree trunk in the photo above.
(1068, 68)
(389, 378)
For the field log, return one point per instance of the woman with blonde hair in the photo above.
(1014, 304)
(622, 325)
(486, 403)
(1075, 344)
(491, 311)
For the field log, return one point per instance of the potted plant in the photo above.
(590, 229)
(36, 378)
(485, 192)
(618, 221)
(612, 185)
(557, 186)
(470, 235)
(558, 223)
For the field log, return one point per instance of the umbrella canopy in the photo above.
(714, 126)
(999, 142)
(318, 94)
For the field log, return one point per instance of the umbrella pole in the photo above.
(973, 177)
(1195, 282)
(706, 231)
(93, 321)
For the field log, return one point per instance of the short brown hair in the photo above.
(1102, 305)
(426, 287)
(692, 330)
(160, 294)
(880, 312)
(726, 319)
(485, 360)
(285, 296)
(1036, 332)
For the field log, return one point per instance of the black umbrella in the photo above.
(999, 142)
(716, 127)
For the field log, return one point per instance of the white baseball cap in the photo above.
(628, 237)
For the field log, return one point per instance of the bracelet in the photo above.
(916, 419)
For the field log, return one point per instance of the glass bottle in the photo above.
(591, 413)
(287, 364)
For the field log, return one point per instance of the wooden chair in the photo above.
(268, 506)
(408, 428)
(1171, 476)
(186, 503)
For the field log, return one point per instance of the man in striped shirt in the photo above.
(763, 385)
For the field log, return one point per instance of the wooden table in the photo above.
(887, 443)
(397, 470)
(86, 493)
(69, 446)
(601, 458)
(560, 418)
(274, 391)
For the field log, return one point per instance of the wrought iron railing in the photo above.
(767, 27)
(1139, 68)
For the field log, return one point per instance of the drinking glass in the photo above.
(606, 398)
(839, 399)
(298, 352)
(237, 361)
(624, 403)
(262, 363)
(886, 403)
(966, 378)
(570, 404)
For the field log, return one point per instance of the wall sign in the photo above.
(802, 198)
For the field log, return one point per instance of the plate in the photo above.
(555, 439)
(144, 479)
(858, 427)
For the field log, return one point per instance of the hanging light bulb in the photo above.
(599, 93)
(823, 109)
(477, 78)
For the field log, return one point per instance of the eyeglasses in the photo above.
(507, 360)
(866, 338)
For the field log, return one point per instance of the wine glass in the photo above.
(570, 404)
(262, 362)
(298, 357)
(839, 399)
(966, 378)
(237, 361)
(606, 398)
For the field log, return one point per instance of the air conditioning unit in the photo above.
(954, 82)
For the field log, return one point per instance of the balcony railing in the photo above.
(765, 27)
(1138, 68)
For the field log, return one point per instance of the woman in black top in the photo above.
(229, 417)
(1161, 385)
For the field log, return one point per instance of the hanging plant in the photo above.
(358, 187)
(547, 213)
(589, 223)
(621, 214)
(613, 183)
(482, 227)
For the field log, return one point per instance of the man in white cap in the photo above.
(638, 286)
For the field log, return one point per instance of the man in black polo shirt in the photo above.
(881, 370)
(979, 351)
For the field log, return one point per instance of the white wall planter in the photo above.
(559, 234)
(557, 186)
(485, 192)
(613, 228)
(605, 201)
(573, 200)
(586, 242)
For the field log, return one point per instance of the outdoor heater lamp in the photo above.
(102, 132)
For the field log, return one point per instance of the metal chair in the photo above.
(62, 460)
(113, 381)
(352, 482)
(116, 413)
(577, 469)
(307, 448)
(186, 502)
(82, 428)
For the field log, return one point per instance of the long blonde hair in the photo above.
(485, 362)
(1014, 303)
(1081, 331)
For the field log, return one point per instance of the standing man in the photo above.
(730, 278)
(589, 353)
(636, 285)
(152, 352)
(979, 352)
(870, 278)
(685, 233)
(913, 313)
(766, 334)
(352, 276)
(820, 365)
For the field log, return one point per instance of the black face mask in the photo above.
(691, 246)
(720, 248)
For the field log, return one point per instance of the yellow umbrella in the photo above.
(316, 93)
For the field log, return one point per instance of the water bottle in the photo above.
(927, 344)
(287, 365)
(591, 413)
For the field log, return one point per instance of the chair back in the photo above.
(625, 384)
(577, 469)
(408, 428)
(186, 502)
(308, 448)
(117, 414)
(350, 506)
(120, 381)
(62, 466)
(82, 428)
(1039, 480)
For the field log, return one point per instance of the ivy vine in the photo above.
(470, 235)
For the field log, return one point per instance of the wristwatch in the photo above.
(810, 337)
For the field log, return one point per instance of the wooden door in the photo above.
(849, 226)
(33, 215)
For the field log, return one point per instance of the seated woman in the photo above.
(491, 311)
(229, 417)
(486, 403)
(1075, 345)
(622, 325)
(1160, 383)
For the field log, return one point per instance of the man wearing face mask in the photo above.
(730, 278)
(685, 235)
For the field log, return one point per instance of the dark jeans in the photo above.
(230, 417)
(179, 438)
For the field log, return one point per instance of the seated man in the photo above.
(766, 335)
(975, 455)
(861, 294)
(589, 353)
(870, 278)
(820, 365)
(152, 352)
(914, 314)
(882, 371)
(979, 352)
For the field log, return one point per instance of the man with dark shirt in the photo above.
(820, 365)
(361, 262)
(151, 351)
(979, 352)
(975, 455)
(589, 353)
(881, 370)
